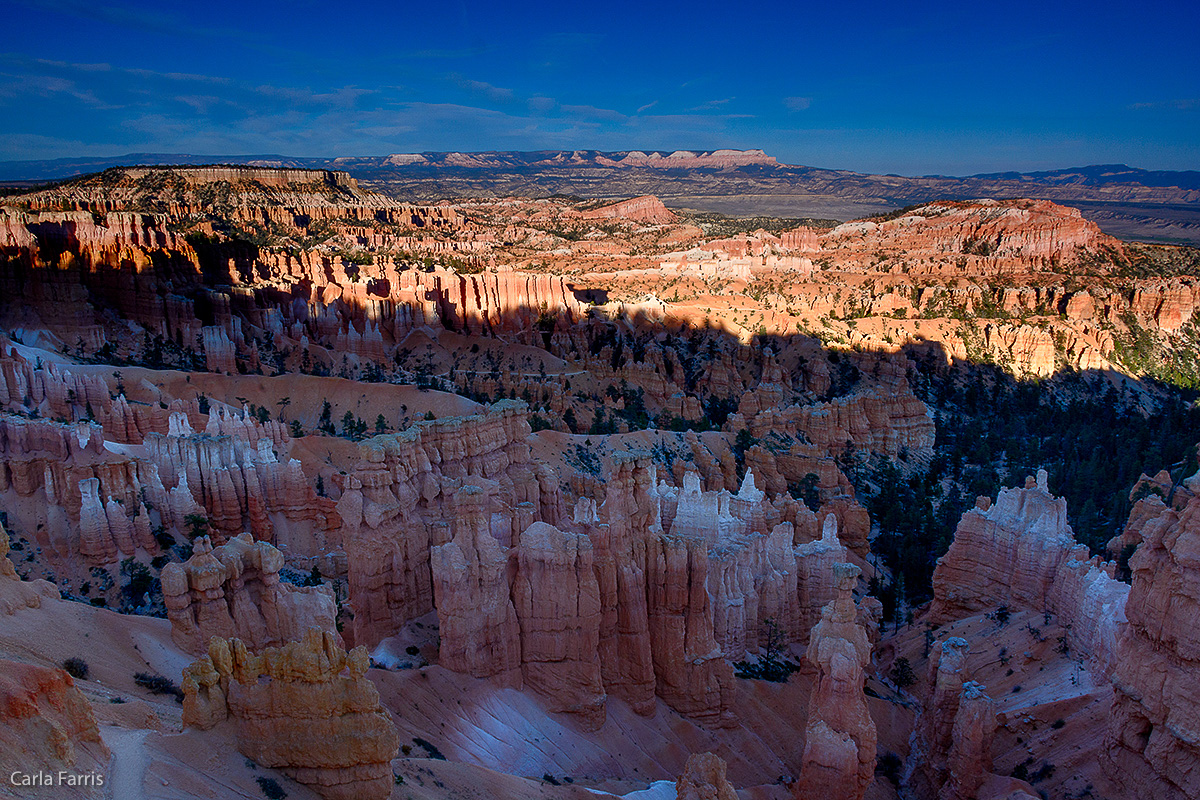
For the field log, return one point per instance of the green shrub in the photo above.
(429, 748)
(270, 788)
(902, 673)
(77, 668)
(157, 684)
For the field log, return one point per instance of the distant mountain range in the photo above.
(1125, 201)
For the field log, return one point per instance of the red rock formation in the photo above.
(1019, 232)
(231, 475)
(86, 492)
(104, 528)
(619, 531)
(885, 420)
(1021, 553)
(136, 263)
(102, 500)
(950, 756)
(269, 177)
(477, 622)
(703, 778)
(839, 746)
(801, 238)
(853, 523)
(815, 563)
(219, 351)
(557, 600)
(970, 758)
(306, 709)
(933, 734)
(234, 591)
(1153, 749)
(647, 208)
(759, 583)
(16, 594)
(397, 506)
(46, 725)
(691, 673)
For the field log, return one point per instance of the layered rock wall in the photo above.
(692, 674)
(610, 603)
(839, 747)
(478, 624)
(399, 505)
(647, 208)
(234, 591)
(1153, 742)
(1020, 552)
(557, 600)
(888, 419)
(100, 499)
(47, 727)
(306, 709)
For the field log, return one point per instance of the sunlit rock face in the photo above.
(1153, 743)
(1020, 552)
(306, 709)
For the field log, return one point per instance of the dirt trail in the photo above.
(129, 762)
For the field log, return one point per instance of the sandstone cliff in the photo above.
(99, 499)
(703, 778)
(638, 209)
(47, 725)
(1152, 747)
(306, 709)
(234, 591)
(16, 594)
(478, 624)
(1020, 552)
(691, 672)
(888, 419)
(398, 506)
(557, 600)
(839, 747)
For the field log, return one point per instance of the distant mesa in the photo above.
(273, 177)
(1125, 201)
(692, 159)
(656, 159)
(639, 209)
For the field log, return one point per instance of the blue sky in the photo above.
(902, 87)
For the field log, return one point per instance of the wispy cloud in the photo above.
(17, 85)
(168, 76)
(797, 103)
(1189, 104)
(594, 113)
(712, 105)
(71, 65)
(496, 94)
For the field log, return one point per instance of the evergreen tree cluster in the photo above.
(1093, 440)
